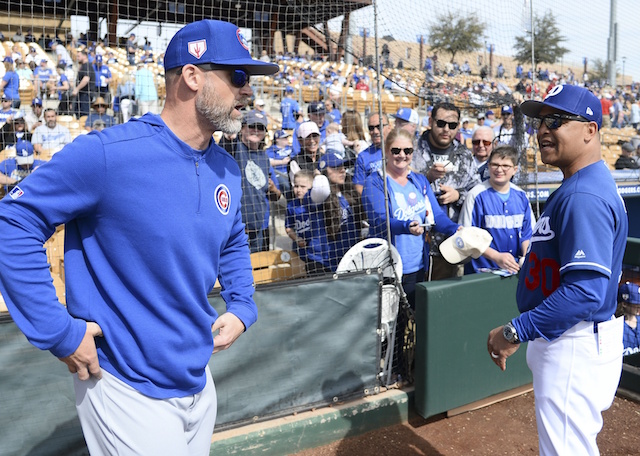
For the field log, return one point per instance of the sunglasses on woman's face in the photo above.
(406, 150)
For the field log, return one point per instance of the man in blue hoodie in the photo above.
(142, 252)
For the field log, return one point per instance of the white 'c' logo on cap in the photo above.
(197, 48)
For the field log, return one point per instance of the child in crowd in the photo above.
(279, 156)
(629, 304)
(298, 224)
(335, 140)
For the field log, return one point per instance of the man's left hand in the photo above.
(448, 195)
(499, 348)
(230, 327)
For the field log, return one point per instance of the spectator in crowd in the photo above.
(505, 132)
(289, 109)
(32, 56)
(126, 93)
(14, 169)
(102, 202)
(317, 115)
(100, 113)
(354, 131)
(333, 113)
(617, 113)
(502, 209)
(103, 79)
(63, 91)
(629, 305)
(407, 119)
(481, 121)
(490, 119)
(450, 169)
(13, 132)
(85, 88)
(413, 211)
(298, 222)
(132, 47)
(35, 117)
(606, 104)
(8, 112)
(413, 207)
(370, 159)
(362, 85)
(309, 139)
(18, 37)
(481, 147)
(42, 74)
(258, 179)
(634, 113)
(24, 72)
(279, 154)
(336, 214)
(10, 84)
(15, 53)
(260, 106)
(146, 91)
(465, 131)
(626, 159)
(62, 55)
(335, 140)
(50, 137)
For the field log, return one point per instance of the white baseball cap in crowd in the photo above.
(469, 242)
(259, 102)
(307, 128)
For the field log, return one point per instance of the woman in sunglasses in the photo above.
(413, 207)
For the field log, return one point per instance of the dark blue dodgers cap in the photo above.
(330, 160)
(211, 41)
(254, 117)
(568, 98)
(629, 292)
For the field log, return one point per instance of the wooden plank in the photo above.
(491, 400)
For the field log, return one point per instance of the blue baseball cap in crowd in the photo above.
(254, 117)
(7, 59)
(280, 134)
(211, 41)
(24, 153)
(570, 99)
(629, 292)
(36, 102)
(98, 58)
(330, 160)
(408, 115)
(289, 89)
(489, 113)
(507, 110)
(316, 107)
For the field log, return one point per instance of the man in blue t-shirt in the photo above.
(370, 159)
(290, 110)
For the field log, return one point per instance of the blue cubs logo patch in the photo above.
(223, 199)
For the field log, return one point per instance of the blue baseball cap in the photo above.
(408, 115)
(98, 58)
(8, 59)
(507, 109)
(629, 292)
(289, 89)
(36, 102)
(316, 107)
(254, 117)
(570, 99)
(211, 41)
(281, 134)
(330, 160)
(24, 153)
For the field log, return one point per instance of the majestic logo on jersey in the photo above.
(542, 231)
(16, 192)
(580, 254)
(223, 199)
(197, 48)
(243, 41)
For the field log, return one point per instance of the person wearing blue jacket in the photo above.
(413, 207)
(142, 252)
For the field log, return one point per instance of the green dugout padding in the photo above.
(453, 320)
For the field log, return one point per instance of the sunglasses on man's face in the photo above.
(239, 77)
(259, 127)
(406, 150)
(373, 127)
(477, 142)
(555, 121)
(452, 125)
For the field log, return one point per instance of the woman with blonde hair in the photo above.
(354, 131)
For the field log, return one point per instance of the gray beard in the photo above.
(218, 116)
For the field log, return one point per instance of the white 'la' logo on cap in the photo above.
(197, 48)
